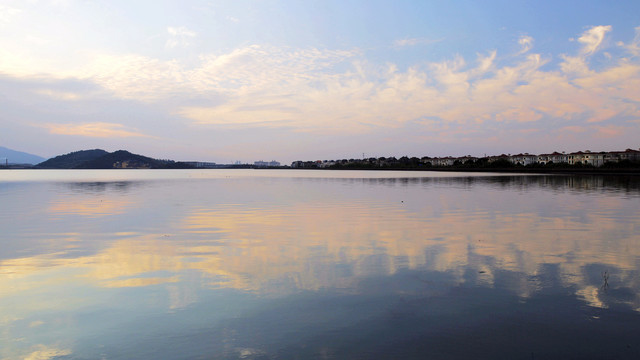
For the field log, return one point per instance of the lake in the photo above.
(292, 264)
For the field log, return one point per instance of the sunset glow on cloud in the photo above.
(218, 82)
(91, 130)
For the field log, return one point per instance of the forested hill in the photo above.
(72, 160)
(100, 159)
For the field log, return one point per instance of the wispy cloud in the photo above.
(526, 42)
(414, 42)
(179, 37)
(8, 13)
(592, 38)
(610, 131)
(342, 92)
(59, 95)
(98, 130)
(634, 46)
(303, 89)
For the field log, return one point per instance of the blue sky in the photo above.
(259, 80)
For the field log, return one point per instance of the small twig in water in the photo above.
(605, 277)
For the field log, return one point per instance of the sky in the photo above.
(227, 81)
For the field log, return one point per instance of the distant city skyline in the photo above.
(230, 81)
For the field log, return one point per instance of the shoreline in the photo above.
(614, 172)
(516, 170)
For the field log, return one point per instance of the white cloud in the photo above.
(634, 46)
(180, 31)
(574, 65)
(485, 63)
(179, 37)
(59, 95)
(302, 88)
(63, 3)
(134, 76)
(592, 38)
(414, 42)
(340, 91)
(8, 13)
(526, 42)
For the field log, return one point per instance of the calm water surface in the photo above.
(251, 264)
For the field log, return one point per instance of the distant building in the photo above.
(586, 157)
(443, 161)
(325, 163)
(553, 158)
(201, 164)
(271, 163)
(629, 154)
(524, 159)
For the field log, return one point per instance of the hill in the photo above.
(18, 157)
(100, 159)
(122, 159)
(72, 160)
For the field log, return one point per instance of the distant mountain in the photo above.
(100, 159)
(18, 157)
(72, 160)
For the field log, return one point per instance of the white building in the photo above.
(271, 163)
(524, 159)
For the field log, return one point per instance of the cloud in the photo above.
(179, 37)
(573, 129)
(239, 71)
(133, 76)
(634, 46)
(59, 95)
(592, 39)
(526, 42)
(306, 96)
(610, 131)
(342, 92)
(8, 13)
(414, 42)
(62, 3)
(241, 113)
(97, 129)
(485, 63)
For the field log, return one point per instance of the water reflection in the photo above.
(317, 267)
(88, 207)
(617, 184)
(100, 187)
